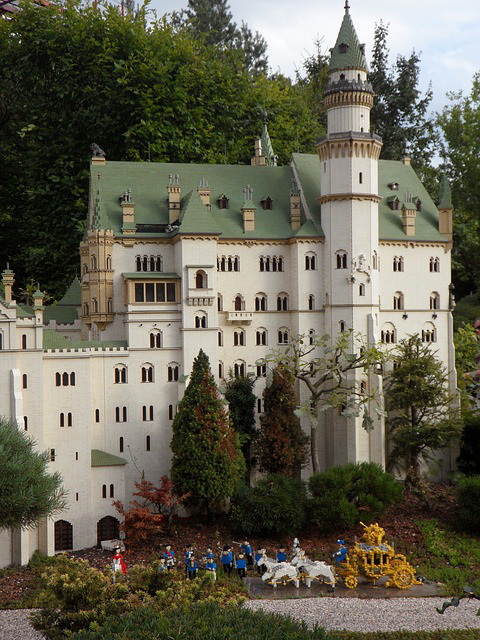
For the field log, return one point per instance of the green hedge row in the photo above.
(203, 621)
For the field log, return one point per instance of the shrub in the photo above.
(73, 595)
(276, 505)
(469, 458)
(204, 621)
(468, 499)
(344, 496)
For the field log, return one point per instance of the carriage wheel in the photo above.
(351, 582)
(397, 562)
(403, 578)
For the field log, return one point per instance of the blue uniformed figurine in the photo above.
(162, 566)
(341, 554)
(211, 565)
(241, 565)
(227, 559)
(188, 555)
(261, 568)
(246, 547)
(192, 568)
(169, 557)
(281, 555)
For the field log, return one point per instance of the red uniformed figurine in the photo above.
(118, 561)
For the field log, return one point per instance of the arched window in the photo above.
(201, 320)
(120, 444)
(239, 338)
(435, 265)
(398, 302)
(261, 337)
(261, 368)
(120, 374)
(434, 301)
(388, 334)
(429, 333)
(311, 302)
(239, 369)
(222, 202)
(219, 302)
(342, 326)
(341, 257)
(86, 309)
(58, 379)
(147, 413)
(72, 379)
(62, 419)
(93, 262)
(361, 289)
(97, 415)
(282, 302)
(65, 379)
(398, 263)
(138, 263)
(24, 381)
(69, 420)
(311, 337)
(25, 423)
(155, 339)
(63, 535)
(147, 443)
(24, 341)
(360, 178)
(170, 411)
(95, 305)
(283, 337)
(220, 339)
(109, 305)
(201, 280)
(172, 372)
(84, 269)
(109, 263)
(375, 260)
(104, 490)
(220, 370)
(310, 261)
(260, 302)
(147, 372)
(239, 304)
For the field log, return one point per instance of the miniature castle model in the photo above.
(233, 260)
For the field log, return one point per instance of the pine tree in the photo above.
(213, 19)
(27, 491)
(421, 411)
(282, 446)
(207, 461)
(241, 401)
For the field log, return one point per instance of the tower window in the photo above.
(341, 260)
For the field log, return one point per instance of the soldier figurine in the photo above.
(192, 568)
(211, 565)
(281, 554)
(246, 547)
(227, 559)
(241, 565)
(169, 557)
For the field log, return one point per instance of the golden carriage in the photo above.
(373, 558)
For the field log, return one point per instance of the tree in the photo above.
(326, 367)
(422, 416)
(213, 22)
(27, 491)
(400, 111)
(241, 401)
(467, 363)
(459, 123)
(207, 461)
(281, 445)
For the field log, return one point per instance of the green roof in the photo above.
(104, 459)
(149, 181)
(54, 340)
(65, 311)
(347, 53)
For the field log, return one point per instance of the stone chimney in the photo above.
(38, 305)
(295, 206)
(258, 159)
(174, 197)
(204, 192)
(248, 209)
(409, 215)
(128, 211)
(406, 153)
(8, 279)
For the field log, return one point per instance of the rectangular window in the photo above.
(170, 292)
(139, 295)
(160, 292)
(150, 292)
(155, 292)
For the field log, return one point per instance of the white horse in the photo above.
(313, 569)
(278, 572)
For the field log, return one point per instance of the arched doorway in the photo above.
(107, 529)
(63, 536)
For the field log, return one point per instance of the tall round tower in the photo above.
(349, 211)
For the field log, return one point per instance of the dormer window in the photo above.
(342, 76)
(223, 202)
(393, 186)
(393, 203)
(343, 48)
(267, 203)
(419, 205)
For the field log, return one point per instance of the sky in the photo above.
(445, 34)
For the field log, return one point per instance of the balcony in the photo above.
(240, 317)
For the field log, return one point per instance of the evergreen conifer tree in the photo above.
(207, 461)
(282, 446)
(241, 401)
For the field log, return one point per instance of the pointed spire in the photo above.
(271, 158)
(347, 53)
(445, 194)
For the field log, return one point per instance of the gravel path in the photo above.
(350, 614)
(358, 614)
(14, 625)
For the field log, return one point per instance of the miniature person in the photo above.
(169, 557)
(281, 554)
(246, 548)
(211, 565)
(241, 565)
(261, 568)
(227, 559)
(192, 568)
(341, 554)
(118, 561)
(188, 554)
(162, 566)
